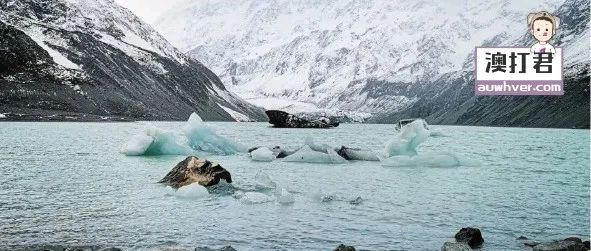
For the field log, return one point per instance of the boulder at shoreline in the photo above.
(471, 236)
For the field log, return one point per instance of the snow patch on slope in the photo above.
(236, 115)
(37, 36)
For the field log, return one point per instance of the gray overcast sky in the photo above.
(148, 10)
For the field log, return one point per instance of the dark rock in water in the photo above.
(522, 238)
(451, 246)
(345, 152)
(283, 119)
(577, 239)
(226, 248)
(586, 244)
(192, 170)
(568, 244)
(469, 235)
(356, 201)
(343, 247)
(327, 198)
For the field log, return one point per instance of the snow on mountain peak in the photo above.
(326, 52)
(102, 18)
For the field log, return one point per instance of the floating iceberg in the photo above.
(307, 155)
(202, 138)
(262, 154)
(284, 197)
(428, 160)
(195, 137)
(154, 141)
(408, 139)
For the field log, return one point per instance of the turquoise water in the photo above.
(67, 183)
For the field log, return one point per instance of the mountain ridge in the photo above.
(94, 60)
(378, 57)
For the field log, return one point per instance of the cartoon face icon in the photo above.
(542, 25)
(543, 29)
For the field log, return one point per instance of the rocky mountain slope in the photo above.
(392, 59)
(89, 60)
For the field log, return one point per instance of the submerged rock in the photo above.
(451, 246)
(226, 248)
(356, 201)
(283, 119)
(568, 244)
(471, 236)
(343, 247)
(194, 169)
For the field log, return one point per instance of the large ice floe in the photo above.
(194, 137)
(399, 151)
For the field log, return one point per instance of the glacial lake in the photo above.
(68, 184)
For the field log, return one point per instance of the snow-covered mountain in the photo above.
(366, 56)
(326, 52)
(93, 58)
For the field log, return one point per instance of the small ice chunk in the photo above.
(284, 197)
(255, 198)
(2, 116)
(192, 191)
(263, 181)
(262, 154)
(323, 197)
(307, 155)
